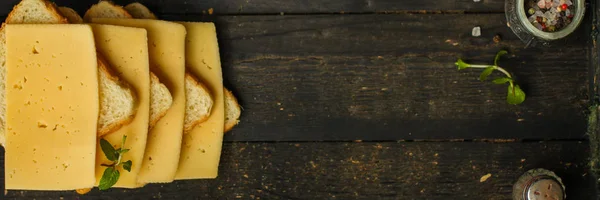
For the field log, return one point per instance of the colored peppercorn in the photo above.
(564, 6)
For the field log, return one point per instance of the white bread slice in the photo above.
(105, 9)
(71, 15)
(160, 97)
(42, 11)
(232, 107)
(35, 12)
(117, 100)
(198, 103)
(160, 100)
(139, 11)
(232, 110)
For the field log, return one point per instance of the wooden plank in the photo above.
(390, 77)
(404, 170)
(184, 7)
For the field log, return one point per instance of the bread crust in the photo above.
(71, 15)
(144, 12)
(229, 126)
(90, 13)
(52, 8)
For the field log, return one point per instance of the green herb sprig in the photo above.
(515, 95)
(111, 173)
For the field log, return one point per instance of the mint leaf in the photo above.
(500, 53)
(501, 81)
(109, 178)
(461, 64)
(109, 150)
(515, 95)
(127, 165)
(486, 73)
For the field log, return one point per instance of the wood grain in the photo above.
(235, 7)
(403, 170)
(390, 77)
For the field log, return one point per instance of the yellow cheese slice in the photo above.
(52, 107)
(126, 51)
(166, 48)
(201, 148)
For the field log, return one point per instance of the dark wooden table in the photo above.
(360, 99)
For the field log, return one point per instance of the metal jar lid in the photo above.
(539, 184)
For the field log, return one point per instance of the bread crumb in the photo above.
(485, 178)
(83, 191)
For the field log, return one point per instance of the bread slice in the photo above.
(106, 9)
(35, 12)
(232, 110)
(111, 88)
(232, 107)
(117, 100)
(198, 103)
(71, 15)
(160, 99)
(139, 11)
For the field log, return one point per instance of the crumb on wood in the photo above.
(449, 41)
(83, 191)
(314, 166)
(485, 178)
(520, 119)
(358, 141)
(379, 146)
(297, 145)
(497, 39)
(245, 175)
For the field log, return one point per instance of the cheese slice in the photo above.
(201, 148)
(166, 48)
(52, 107)
(126, 50)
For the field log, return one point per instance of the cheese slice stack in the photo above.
(201, 148)
(52, 107)
(126, 50)
(166, 50)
